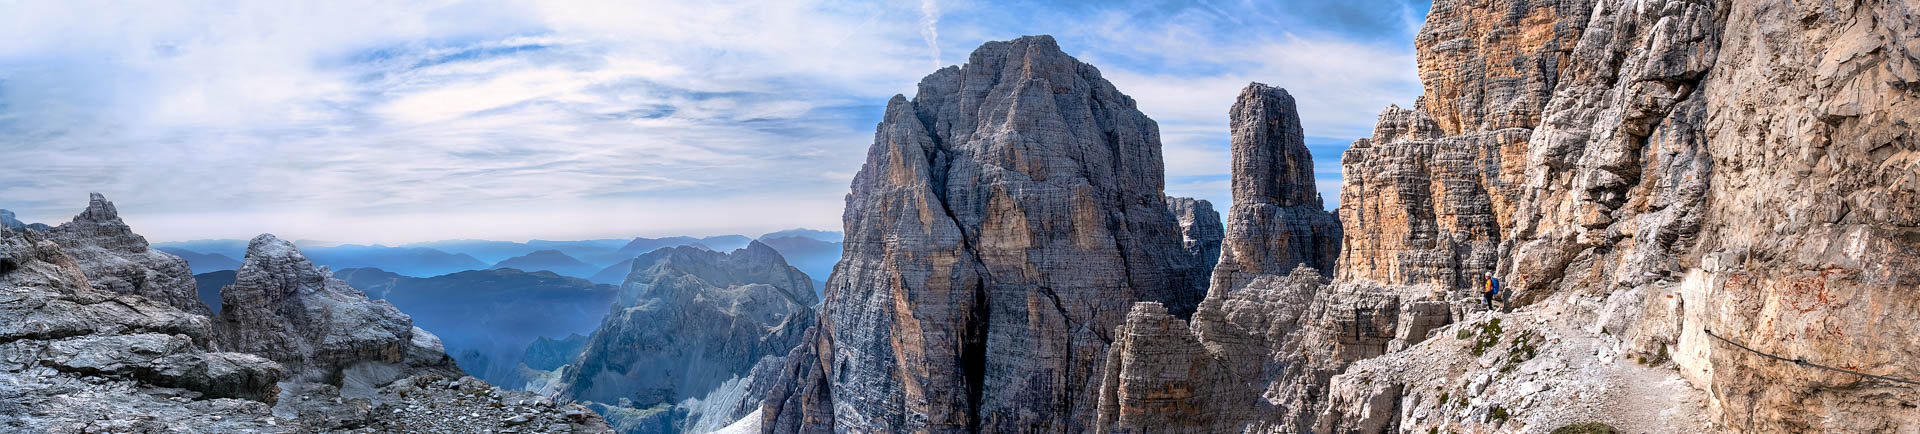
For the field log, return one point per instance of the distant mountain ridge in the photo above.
(203, 262)
(549, 260)
(828, 236)
(411, 261)
(488, 318)
(679, 351)
(606, 259)
(811, 255)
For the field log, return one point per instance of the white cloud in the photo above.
(378, 121)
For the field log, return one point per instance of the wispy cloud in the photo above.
(930, 28)
(399, 121)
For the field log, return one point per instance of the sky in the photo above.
(394, 122)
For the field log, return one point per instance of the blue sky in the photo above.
(400, 121)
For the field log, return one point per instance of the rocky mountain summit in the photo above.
(1277, 220)
(682, 348)
(1005, 220)
(1200, 233)
(117, 260)
(282, 307)
(80, 356)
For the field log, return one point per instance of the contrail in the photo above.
(930, 28)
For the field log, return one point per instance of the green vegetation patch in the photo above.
(1488, 336)
(1497, 414)
(1525, 347)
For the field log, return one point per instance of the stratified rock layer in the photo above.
(57, 323)
(1257, 359)
(1005, 221)
(1742, 167)
(1200, 232)
(119, 261)
(284, 308)
(1277, 220)
(1271, 330)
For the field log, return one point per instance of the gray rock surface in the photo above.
(75, 358)
(1255, 359)
(1200, 232)
(284, 308)
(1277, 220)
(439, 404)
(1006, 219)
(54, 318)
(680, 350)
(1699, 165)
(117, 260)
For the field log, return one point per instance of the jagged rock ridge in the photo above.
(1200, 233)
(282, 307)
(119, 261)
(680, 351)
(1006, 219)
(81, 358)
(1258, 353)
(1277, 220)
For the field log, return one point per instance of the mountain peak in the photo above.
(269, 246)
(99, 209)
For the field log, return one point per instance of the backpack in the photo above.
(1493, 286)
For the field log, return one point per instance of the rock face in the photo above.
(1419, 206)
(1200, 231)
(1811, 218)
(1005, 221)
(1741, 167)
(119, 261)
(1648, 177)
(809, 254)
(1257, 359)
(1259, 351)
(1277, 220)
(77, 358)
(284, 308)
(691, 324)
(1429, 198)
(57, 323)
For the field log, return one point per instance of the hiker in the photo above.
(1491, 290)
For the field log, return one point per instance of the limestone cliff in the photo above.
(1277, 220)
(1640, 173)
(1260, 349)
(117, 260)
(1742, 167)
(1429, 197)
(1200, 233)
(1005, 221)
